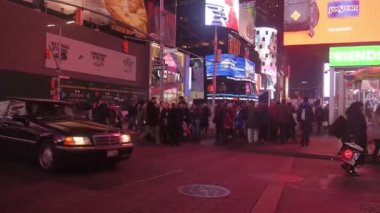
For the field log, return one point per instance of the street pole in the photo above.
(162, 49)
(59, 64)
(214, 72)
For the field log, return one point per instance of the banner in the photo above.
(169, 24)
(86, 58)
(128, 12)
(247, 14)
(331, 21)
(222, 13)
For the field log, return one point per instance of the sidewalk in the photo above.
(320, 147)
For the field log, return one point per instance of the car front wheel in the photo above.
(46, 157)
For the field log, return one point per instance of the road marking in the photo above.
(153, 178)
(269, 199)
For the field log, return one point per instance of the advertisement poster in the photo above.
(224, 13)
(131, 13)
(230, 66)
(266, 46)
(173, 76)
(331, 21)
(86, 58)
(169, 23)
(247, 15)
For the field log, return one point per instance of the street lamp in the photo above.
(58, 62)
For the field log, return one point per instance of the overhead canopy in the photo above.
(368, 73)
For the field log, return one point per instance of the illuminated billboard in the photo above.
(247, 13)
(330, 21)
(222, 13)
(354, 56)
(231, 66)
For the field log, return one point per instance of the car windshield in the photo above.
(51, 110)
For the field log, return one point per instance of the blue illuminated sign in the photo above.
(231, 66)
(340, 9)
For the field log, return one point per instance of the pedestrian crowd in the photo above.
(260, 123)
(172, 123)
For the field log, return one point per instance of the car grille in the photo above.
(104, 140)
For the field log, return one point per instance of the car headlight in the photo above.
(125, 138)
(77, 141)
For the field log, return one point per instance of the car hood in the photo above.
(77, 127)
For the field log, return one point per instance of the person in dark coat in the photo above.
(357, 125)
(185, 120)
(264, 120)
(218, 120)
(318, 115)
(205, 115)
(102, 113)
(174, 123)
(164, 123)
(305, 116)
(152, 119)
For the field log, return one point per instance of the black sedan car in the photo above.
(52, 133)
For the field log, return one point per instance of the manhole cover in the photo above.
(279, 177)
(204, 190)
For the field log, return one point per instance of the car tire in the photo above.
(46, 157)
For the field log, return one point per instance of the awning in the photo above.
(368, 73)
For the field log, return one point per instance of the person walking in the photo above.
(195, 118)
(153, 120)
(357, 125)
(252, 124)
(174, 125)
(318, 115)
(283, 119)
(164, 123)
(218, 120)
(305, 116)
(264, 120)
(293, 123)
(229, 121)
(205, 115)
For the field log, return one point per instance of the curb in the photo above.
(296, 154)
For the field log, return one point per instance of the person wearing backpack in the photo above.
(305, 117)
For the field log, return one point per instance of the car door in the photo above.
(4, 140)
(19, 136)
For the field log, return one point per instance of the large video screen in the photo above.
(222, 13)
(231, 66)
(331, 21)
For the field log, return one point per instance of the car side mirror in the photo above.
(22, 120)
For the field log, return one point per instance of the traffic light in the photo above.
(125, 46)
(48, 53)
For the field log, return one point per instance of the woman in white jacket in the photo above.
(376, 132)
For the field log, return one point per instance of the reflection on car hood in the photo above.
(78, 127)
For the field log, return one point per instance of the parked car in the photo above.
(52, 133)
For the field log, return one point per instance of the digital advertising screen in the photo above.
(247, 13)
(331, 21)
(231, 66)
(223, 13)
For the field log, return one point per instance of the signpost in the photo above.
(158, 67)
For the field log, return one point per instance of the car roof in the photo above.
(35, 100)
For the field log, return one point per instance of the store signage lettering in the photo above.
(341, 9)
(355, 56)
(99, 58)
